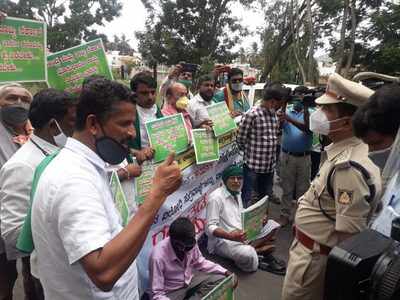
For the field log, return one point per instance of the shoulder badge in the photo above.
(345, 197)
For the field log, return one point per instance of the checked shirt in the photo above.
(258, 139)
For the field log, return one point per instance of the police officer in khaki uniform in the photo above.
(341, 198)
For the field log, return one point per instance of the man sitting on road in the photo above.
(178, 270)
(225, 230)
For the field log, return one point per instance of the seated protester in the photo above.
(177, 74)
(225, 230)
(197, 105)
(52, 114)
(14, 131)
(376, 123)
(83, 252)
(144, 88)
(177, 102)
(178, 270)
(233, 94)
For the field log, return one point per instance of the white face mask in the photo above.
(320, 124)
(60, 139)
(237, 87)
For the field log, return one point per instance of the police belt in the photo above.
(298, 154)
(309, 243)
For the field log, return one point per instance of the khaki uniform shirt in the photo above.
(349, 206)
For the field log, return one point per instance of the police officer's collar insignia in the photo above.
(345, 197)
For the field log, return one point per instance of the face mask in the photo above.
(182, 103)
(60, 139)
(14, 114)
(380, 157)
(320, 124)
(297, 105)
(187, 83)
(237, 87)
(110, 150)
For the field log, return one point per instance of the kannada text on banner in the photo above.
(22, 50)
(167, 135)
(206, 146)
(222, 120)
(68, 68)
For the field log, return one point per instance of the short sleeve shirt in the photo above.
(73, 214)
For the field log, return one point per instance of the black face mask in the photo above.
(110, 150)
(14, 115)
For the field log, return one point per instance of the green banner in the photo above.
(222, 120)
(167, 135)
(143, 182)
(22, 50)
(223, 291)
(206, 146)
(119, 198)
(68, 68)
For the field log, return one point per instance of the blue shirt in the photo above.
(294, 139)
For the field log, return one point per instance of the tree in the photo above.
(193, 29)
(121, 45)
(68, 21)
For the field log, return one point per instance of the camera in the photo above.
(365, 267)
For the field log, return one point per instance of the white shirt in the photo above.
(15, 186)
(73, 214)
(197, 110)
(223, 211)
(145, 115)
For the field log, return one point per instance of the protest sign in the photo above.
(22, 50)
(68, 68)
(206, 146)
(119, 198)
(222, 120)
(223, 291)
(143, 182)
(252, 219)
(167, 135)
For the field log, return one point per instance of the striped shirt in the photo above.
(258, 138)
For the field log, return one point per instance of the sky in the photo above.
(133, 18)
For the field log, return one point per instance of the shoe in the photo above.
(273, 265)
(283, 220)
(275, 199)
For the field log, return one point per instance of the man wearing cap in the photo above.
(225, 230)
(341, 198)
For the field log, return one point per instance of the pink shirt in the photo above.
(169, 110)
(168, 273)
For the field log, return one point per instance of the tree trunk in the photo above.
(295, 47)
(155, 71)
(352, 38)
(340, 51)
(310, 67)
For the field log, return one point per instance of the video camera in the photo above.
(365, 267)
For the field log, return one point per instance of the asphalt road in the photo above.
(260, 285)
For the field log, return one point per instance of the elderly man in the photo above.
(14, 131)
(52, 113)
(225, 230)
(177, 102)
(179, 74)
(341, 198)
(233, 94)
(83, 252)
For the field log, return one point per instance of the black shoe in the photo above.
(272, 264)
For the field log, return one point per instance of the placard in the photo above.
(144, 181)
(221, 118)
(223, 291)
(22, 50)
(206, 146)
(119, 198)
(68, 68)
(167, 135)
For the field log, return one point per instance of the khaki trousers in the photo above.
(305, 275)
(295, 173)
